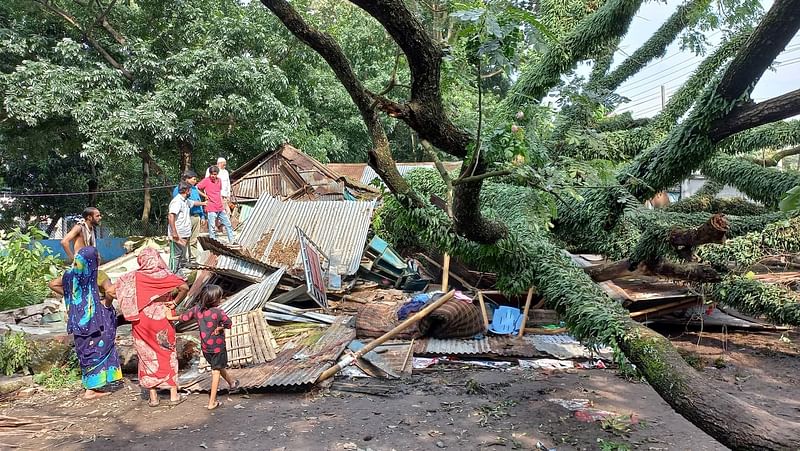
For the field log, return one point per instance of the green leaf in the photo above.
(791, 201)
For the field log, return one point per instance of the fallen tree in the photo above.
(501, 228)
(595, 318)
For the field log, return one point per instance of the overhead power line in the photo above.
(99, 193)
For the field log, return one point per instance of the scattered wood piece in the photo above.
(413, 319)
(454, 276)
(371, 389)
(665, 308)
(545, 331)
(408, 356)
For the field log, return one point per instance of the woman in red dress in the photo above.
(143, 294)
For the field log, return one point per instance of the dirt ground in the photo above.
(446, 407)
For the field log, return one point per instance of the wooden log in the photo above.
(413, 319)
(712, 231)
(695, 272)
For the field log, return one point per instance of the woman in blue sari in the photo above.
(92, 323)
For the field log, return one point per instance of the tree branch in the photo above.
(483, 176)
(380, 157)
(773, 33)
(777, 157)
(589, 37)
(102, 17)
(690, 144)
(96, 45)
(424, 112)
(766, 185)
(694, 272)
(438, 163)
(686, 15)
(752, 115)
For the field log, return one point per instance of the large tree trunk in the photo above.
(185, 149)
(93, 185)
(728, 419)
(146, 185)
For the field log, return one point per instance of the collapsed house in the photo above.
(311, 283)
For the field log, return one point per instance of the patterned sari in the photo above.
(92, 324)
(142, 294)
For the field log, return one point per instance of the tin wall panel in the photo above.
(339, 229)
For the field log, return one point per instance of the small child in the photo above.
(212, 322)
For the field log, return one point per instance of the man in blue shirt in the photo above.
(196, 212)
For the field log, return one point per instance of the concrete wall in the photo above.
(692, 184)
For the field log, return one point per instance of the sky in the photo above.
(644, 89)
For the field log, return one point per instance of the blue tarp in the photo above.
(109, 248)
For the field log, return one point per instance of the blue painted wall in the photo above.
(109, 248)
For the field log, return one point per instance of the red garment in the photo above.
(154, 341)
(142, 294)
(213, 190)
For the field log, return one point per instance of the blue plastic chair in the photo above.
(506, 320)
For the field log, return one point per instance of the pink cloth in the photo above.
(214, 192)
(138, 289)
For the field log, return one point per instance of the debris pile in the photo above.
(312, 292)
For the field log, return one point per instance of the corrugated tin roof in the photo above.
(498, 345)
(353, 171)
(455, 346)
(339, 229)
(295, 367)
(289, 173)
(369, 174)
(252, 297)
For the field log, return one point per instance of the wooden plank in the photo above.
(245, 347)
(408, 358)
(235, 334)
(258, 355)
(230, 342)
(270, 345)
(525, 312)
(665, 308)
(614, 291)
(256, 338)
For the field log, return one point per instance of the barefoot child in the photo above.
(212, 322)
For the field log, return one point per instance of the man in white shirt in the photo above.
(180, 224)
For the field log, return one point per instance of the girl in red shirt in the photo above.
(212, 322)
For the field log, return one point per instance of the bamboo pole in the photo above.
(446, 272)
(483, 311)
(350, 358)
(525, 313)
